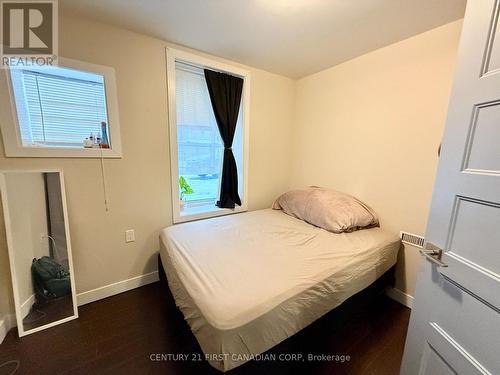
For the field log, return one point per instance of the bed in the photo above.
(248, 281)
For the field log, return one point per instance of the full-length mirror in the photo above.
(36, 225)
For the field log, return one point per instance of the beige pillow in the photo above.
(328, 209)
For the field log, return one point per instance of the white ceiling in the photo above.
(289, 37)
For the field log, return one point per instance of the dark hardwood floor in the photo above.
(119, 334)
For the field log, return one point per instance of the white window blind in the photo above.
(58, 107)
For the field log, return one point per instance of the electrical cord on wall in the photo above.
(104, 190)
(53, 241)
(15, 362)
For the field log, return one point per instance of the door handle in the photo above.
(433, 254)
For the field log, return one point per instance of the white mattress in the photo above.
(248, 281)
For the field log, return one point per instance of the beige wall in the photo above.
(371, 127)
(6, 297)
(139, 183)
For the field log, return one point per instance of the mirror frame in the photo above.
(10, 246)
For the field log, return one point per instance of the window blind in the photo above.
(199, 142)
(58, 110)
(193, 102)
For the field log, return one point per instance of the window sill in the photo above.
(204, 212)
(59, 152)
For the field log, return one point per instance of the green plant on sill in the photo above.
(185, 188)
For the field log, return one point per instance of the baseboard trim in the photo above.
(26, 306)
(7, 322)
(116, 288)
(400, 296)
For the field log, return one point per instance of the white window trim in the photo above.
(11, 130)
(173, 55)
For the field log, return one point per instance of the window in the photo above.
(196, 145)
(199, 143)
(63, 111)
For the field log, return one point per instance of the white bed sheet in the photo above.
(248, 281)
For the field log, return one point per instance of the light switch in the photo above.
(129, 235)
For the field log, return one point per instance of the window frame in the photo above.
(11, 131)
(172, 56)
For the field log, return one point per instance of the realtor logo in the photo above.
(29, 33)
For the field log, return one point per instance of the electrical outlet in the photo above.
(130, 235)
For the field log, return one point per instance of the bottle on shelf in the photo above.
(104, 139)
(98, 140)
(87, 143)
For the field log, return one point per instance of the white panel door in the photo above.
(455, 323)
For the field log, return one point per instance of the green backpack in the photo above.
(50, 279)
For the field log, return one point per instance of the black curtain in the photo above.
(225, 94)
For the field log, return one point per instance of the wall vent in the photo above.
(412, 239)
